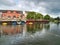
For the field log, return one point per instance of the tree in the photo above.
(47, 17)
(39, 16)
(34, 15)
(30, 15)
(57, 18)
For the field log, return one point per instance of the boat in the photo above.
(20, 22)
(14, 23)
(4, 23)
(30, 23)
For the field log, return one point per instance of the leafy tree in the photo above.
(30, 15)
(34, 15)
(39, 16)
(57, 18)
(47, 17)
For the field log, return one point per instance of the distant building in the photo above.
(11, 14)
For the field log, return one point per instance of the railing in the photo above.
(9, 19)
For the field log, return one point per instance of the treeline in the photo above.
(36, 15)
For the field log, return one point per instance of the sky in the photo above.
(51, 7)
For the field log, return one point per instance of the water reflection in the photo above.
(37, 27)
(10, 29)
(30, 34)
(47, 26)
(15, 29)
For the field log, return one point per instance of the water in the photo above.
(34, 34)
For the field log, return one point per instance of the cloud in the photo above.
(7, 2)
(43, 6)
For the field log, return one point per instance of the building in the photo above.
(9, 15)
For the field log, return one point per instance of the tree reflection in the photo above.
(47, 26)
(32, 28)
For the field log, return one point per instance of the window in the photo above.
(14, 16)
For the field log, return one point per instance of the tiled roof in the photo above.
(11, 11)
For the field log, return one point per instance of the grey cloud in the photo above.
(48, 6)
(51, 6)
(44, 0)
(7, 2)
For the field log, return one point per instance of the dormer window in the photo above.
(8, 11)
(14, 11)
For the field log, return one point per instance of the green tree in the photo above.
(47, 17)
(39, 16)
(34, 15)
(31, 15)
(57, 18)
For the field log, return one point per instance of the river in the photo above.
(30, 34)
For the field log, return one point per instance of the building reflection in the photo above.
(24, 30)
(13, 29)
(9, 30)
